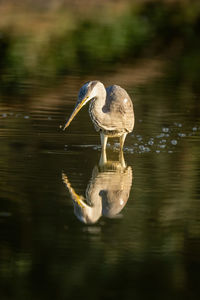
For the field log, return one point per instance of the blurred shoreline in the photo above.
(44, 41)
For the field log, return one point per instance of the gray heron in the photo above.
(110, 109)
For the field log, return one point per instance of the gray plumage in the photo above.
(116, 115)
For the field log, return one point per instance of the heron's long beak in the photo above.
(75, 111)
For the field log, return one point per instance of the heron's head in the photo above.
(88, 91)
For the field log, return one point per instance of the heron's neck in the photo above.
(97, 104)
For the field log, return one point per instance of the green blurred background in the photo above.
(44, 40)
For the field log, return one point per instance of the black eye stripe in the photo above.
(86, 89)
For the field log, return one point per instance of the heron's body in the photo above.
(110, 109)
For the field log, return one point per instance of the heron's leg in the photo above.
(104, 139)
(121, 159)
(122, 140)
(103, 158)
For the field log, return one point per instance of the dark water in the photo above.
(138, 235)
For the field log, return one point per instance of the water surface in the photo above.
(146, 245)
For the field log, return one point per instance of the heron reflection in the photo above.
(107, 191)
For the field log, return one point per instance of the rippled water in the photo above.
(74, 227)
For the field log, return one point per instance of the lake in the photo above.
(128, 229)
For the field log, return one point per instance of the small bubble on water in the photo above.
(170, 151)
(157, 151)
(141, 147)
(177, 124)
(194, 129)
(147, 149)
(166, 134)
(174, 142)
(131, 150)
(26, 117)
(162, 141)
(150, 142)
(140, 121)
(4, 115)
(165, 129)
(162, 146)
(49, 118)
(160, 135)
(139, 137)
(181, 134)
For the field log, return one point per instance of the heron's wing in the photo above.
(120, 107)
